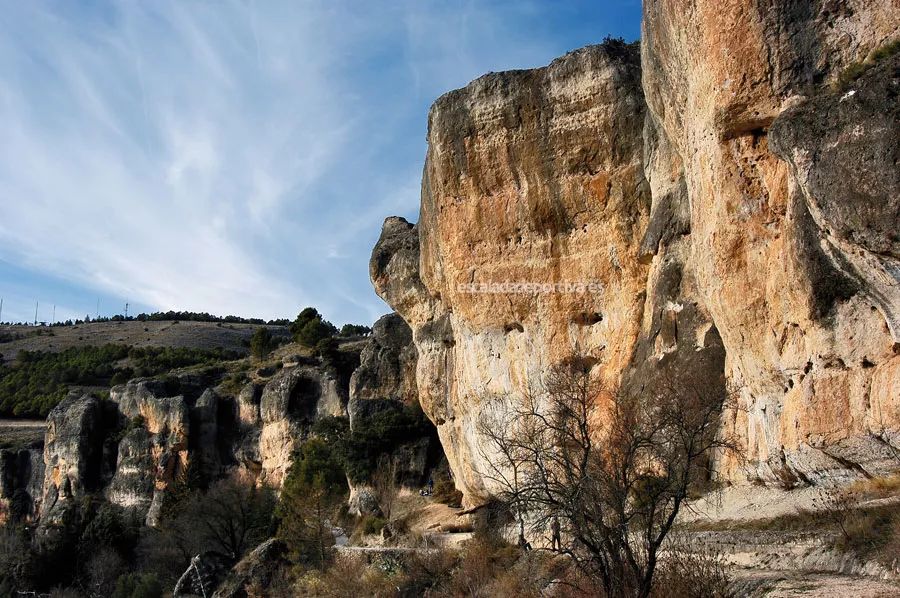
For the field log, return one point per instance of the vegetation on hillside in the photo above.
(262, 343)
(37, 380)
(310, 327)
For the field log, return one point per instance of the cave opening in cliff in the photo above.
(303, 399)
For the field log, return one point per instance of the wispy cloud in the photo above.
(233, 157)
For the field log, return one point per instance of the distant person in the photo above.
(555, 541)
(430, 486)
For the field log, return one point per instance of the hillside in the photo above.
(43, 364)
(181, 334)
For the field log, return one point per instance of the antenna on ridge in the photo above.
(35, 312)
(98, 309)
(126, 309)
(54, 315)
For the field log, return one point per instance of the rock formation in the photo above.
(385, 381)
(153, 433)
(79, 453)
(797, 272)
(532, 177)
(21, 481)
(771, 270)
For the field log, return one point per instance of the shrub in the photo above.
(857, 69)
(372, 524)
(690, 572)
(138, 585)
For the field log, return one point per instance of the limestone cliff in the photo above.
(788, 231)
(766, 265)
(532, 178)
(385, 382)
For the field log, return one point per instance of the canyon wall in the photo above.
(648, 176)
(799, 273)
(531, 177)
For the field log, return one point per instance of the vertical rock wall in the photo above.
(806, 309)
(740, 219)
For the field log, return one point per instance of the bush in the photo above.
(691, 572)
(371, 525)
(857, 69)
(867, 531)
(135, 585)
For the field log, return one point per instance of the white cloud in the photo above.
(232, 157)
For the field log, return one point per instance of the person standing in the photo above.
(555, 541)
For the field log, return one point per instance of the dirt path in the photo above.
(21, 423)
(793, 584)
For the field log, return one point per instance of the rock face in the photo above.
(21, 481)
(737, 217)
(385, 381)
(153, 450)
(79, 452)
(532, 177)
(253, 574)
(153, 433)
(387, 367)
(796, 269)
(290, 402)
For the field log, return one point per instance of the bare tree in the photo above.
(614, 468)
(384, 484)
(232, 517)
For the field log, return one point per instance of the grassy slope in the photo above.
(193, 335)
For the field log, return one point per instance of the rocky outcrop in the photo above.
(204, 574)
(736, 216)
(290, 402)
(154, 433)
(153, 450)
(532, 178)
(79, 453)
(21, 482)
(387, 367)
(385, 382)
(256, 572)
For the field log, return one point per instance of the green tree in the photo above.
(313, 491)
(309, 327)
(261, 343)
(354, 330)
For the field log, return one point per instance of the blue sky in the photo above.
(234, 157)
